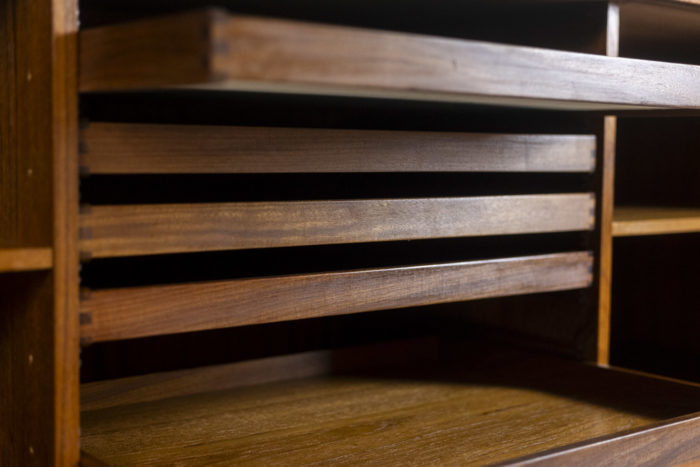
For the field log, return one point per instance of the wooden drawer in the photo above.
(473, 406)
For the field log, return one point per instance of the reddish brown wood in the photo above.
(25, 259)
(142, 311)
(123, 148)
(491, 405)
(250, 53)
(606, 243)
(672, 442)
(38, 323)
(151, 229)
(156, 386)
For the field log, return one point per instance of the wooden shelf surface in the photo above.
(634, 221)
(124, 313)
(25, 259)
(148, 229)
(486, 408)
(212, 49)
(128, 148)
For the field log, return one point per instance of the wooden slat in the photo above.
(123, 148)
(490, 407)
(631, 221)
(25, 259)
(108, 231)
(258, 54)
(113, 314)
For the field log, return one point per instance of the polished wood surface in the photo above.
(673, 442)
(606, 241)
(142, 311)
(639, 220)
(122, 148)
(260, 54)
(25, 259)
(108, 231)
(39, 350)
(489, 407)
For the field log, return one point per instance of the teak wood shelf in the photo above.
(212, 49)
(631, 221)
(285, 234)
(427, 416)
(25, 259)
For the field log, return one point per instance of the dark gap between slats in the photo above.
(145, 189)
(178, 268)
(290, 110)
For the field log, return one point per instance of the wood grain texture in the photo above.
(123, 148)
(65, 202)
(165, 309)
(672, 442)
(163, 385)
(38, 332)
(25, 259)
(108, 231)
(259, 54)
(606, 242)
(639, 220)
(487, 408)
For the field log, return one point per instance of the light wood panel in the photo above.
(124, 313)
(108, 231)
(215, 50)
(123, 148)
(630, 220)
(487, 408)
(606, 232)
(25, 259)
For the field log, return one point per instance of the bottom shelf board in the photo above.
(486, 408)
(635, 220)
(25, 259)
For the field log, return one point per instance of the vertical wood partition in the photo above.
(607, 201)
(39, 351)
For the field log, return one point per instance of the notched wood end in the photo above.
(85, 233)
(85, 318)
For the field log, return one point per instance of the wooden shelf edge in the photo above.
(25, 259)
(247, 53)
(638, 221)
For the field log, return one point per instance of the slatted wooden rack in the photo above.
(283, 234)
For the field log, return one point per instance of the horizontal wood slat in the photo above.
(124, 148)
(212, 49)
(632, 221)
(25, 259)
(108, 231)
(113, 314)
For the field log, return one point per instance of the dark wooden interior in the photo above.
(349, 232)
